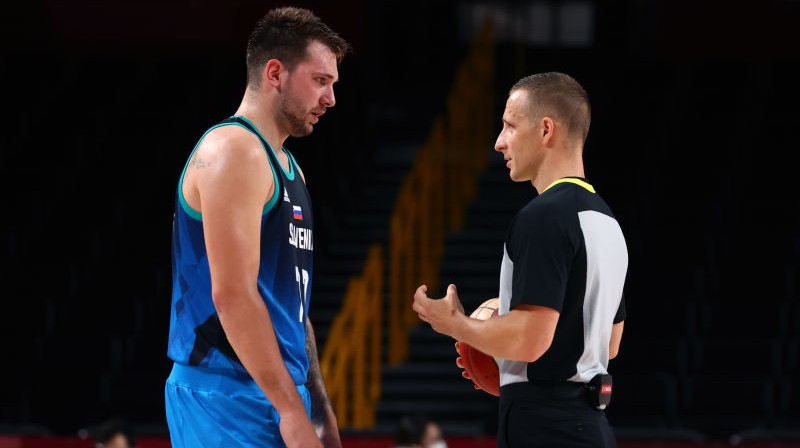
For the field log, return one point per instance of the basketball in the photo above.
(479, 367)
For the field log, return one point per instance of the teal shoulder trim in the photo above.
(275, 194)
(289, 174)
(292, 162)
(195, 214)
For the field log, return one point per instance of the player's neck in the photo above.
(568, 164)
(258, 109)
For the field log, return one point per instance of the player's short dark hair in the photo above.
(561, 96)
(284, 34)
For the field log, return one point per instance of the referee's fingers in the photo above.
(417, 307)
(451, 290)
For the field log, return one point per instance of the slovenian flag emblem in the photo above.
(298, 212)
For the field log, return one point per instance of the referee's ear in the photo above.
(547, 130)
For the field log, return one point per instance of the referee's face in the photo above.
(517, 141)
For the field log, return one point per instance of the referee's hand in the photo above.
(442, 314)
(461, 348)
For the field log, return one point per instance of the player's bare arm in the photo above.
(231, 190)
(524, 334)
(321, 409)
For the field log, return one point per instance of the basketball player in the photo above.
(246, 371)
(561, 279)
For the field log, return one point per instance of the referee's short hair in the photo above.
(560, 97)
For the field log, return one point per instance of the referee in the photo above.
(561, 279)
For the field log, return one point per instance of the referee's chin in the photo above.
(517, 178)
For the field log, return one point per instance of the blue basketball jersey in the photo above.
(196, 337)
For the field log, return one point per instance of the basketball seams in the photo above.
(482, 368)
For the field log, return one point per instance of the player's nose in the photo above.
(329, 98)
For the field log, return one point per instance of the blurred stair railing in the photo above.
(351, 364)
(435, 194)
(432, 201)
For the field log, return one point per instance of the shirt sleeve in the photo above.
(620, 316)
(543, 249)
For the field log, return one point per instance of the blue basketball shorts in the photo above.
(212, 408)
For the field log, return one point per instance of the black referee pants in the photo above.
(552, 416)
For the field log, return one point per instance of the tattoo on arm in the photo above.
(315, 385)
(197, 162)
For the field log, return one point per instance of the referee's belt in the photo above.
(545, 390)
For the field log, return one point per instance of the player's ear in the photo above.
(272, 73)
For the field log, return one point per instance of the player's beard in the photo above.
(296, 117)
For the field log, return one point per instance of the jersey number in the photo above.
(302, 284)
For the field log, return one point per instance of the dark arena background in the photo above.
(693, 143)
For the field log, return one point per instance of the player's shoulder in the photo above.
(231, 143)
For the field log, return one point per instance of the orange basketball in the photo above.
(479, 367)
